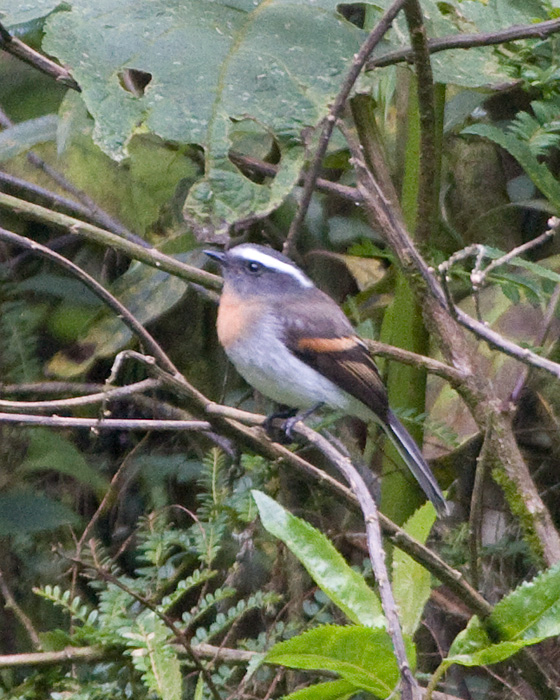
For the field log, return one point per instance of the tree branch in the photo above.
(150, 256)
(466, 41)
(335, 111)
(121, 311)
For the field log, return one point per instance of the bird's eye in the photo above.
(254, 267)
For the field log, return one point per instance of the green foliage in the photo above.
(527, 616)
(344, 586)
(362, 656)
(412, 583)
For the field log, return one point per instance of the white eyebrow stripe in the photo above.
(274, 264)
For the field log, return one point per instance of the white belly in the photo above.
(272, 369)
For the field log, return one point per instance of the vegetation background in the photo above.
(154, 541)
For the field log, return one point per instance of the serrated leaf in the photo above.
(412, 583)
(344, 586)
(531, 611)
(363, 656)
(156, 659)
(24, 511)
(332, 690)
(23, 136)
(473, 647)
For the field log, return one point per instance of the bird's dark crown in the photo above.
(253, 269)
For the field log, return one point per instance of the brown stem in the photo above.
(335, 111)
(466, 41)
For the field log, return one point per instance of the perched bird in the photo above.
(294, 344)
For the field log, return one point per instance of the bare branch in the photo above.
(335, 111)
(108, 239)
(409, 685)
(466, 41)
(254, 165)
(17, 48)
(110, 394)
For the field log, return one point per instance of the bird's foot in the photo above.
(278, 433)
(291, 417)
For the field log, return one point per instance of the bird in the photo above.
(293, 343)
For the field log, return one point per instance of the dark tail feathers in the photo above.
(411, 454)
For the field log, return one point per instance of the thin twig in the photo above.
(181, 637)
(99, 215)
(17, 48)
(480, 277)
(409, 685)
(467, 41)
(335, 111)
(111, 394)
(150, 256)
(95, 654)
(112, 302)
(254, 165)
(441, 369)
(102, 424)
(12, 604)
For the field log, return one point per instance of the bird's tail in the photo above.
(409, 451)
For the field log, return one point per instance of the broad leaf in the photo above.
(332, 690)
(362, 656)
(211, 64)
(344, 586)
(473, 647)
(528, 615)
(412, 583)
(532, 610)
(24, 511)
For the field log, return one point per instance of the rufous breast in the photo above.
(237, 319)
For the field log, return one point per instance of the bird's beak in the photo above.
(216, 254)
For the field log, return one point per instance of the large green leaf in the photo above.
(25, 511)
(412, 583)
(332, 690)
(528, 615)
(211, 64)
(362, 656)
(532, 610)
(344, 586)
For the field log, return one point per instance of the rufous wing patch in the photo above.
(327, 344)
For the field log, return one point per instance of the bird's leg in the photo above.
(282, 414)
(295, 418)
